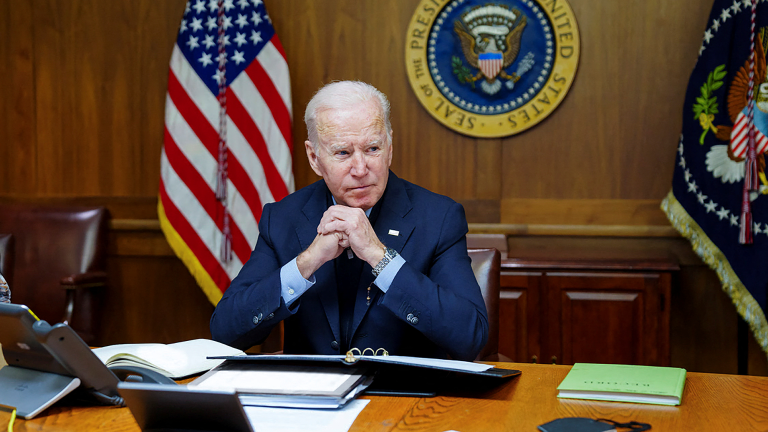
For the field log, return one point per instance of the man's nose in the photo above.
(359, 165)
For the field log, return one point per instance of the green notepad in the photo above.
(624, 383)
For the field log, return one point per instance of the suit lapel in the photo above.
(325, 276)
(393, 227)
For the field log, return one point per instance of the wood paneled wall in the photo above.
(82, 111)
(85, 90)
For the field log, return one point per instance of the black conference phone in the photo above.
(46, 362)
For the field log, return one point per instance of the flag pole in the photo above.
(221, 177)
(750, 173)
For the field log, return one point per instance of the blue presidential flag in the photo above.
(719, 196)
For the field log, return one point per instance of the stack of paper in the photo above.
(293, 386)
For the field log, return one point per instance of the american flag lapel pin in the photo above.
(394, 232)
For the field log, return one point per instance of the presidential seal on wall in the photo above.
(491, 69)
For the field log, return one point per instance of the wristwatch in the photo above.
(389, 255)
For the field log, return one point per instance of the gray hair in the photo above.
(340, 95)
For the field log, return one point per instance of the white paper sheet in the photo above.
(286, 381)
(264, 419)
(457, 365)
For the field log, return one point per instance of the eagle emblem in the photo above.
(490, 41)
(727, 161)
(492, 68)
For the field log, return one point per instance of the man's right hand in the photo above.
(324, 248)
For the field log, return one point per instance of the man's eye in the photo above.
(373, 149)
(342, 152)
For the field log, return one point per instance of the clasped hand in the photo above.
(341, 227)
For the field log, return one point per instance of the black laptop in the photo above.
(158, 407)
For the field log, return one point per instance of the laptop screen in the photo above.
(164, 407)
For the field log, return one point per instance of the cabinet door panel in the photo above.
(601, 327)
(519, 334)
(605, 318)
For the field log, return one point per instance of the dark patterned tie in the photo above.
(348, 271)
(347, 280)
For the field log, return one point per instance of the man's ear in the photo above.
(391, 133)
(312, 157)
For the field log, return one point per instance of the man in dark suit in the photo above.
(361, 258)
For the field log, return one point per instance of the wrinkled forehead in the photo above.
(364, 118)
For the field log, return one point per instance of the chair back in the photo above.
(54, 247)
(486, 264)
(6, 257)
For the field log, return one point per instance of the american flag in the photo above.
(228, 143)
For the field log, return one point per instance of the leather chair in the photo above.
(486, 264)
(60, 262)
(6, 257)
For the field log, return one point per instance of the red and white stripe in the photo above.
(490, 68)
(259, 156)
(740, 137)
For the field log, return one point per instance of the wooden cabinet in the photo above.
(520, 316)
(596, 311)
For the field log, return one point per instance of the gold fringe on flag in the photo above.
(710, 254)
(189, 259)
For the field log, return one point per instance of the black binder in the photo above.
(399, 375)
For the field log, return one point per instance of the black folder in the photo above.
(399, 375)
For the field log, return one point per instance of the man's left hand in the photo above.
(358, 230)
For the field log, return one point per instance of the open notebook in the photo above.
(177, 360)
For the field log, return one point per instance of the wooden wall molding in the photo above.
(143, 237)
(575, 230)
(605, 212)
(134, 224)
(485, 228)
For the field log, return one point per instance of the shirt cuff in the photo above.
(292, 283)
(387, 275)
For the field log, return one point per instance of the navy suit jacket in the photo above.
(436, 284)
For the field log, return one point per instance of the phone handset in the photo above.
(78, 359)
(139, 374)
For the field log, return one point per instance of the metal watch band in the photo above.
(389, 254)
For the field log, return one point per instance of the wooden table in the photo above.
(711, 402)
